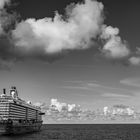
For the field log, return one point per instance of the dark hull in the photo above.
(6, 128)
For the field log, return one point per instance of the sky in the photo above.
(87, 54)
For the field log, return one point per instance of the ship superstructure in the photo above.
(18, 116)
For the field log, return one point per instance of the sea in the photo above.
(82, 132)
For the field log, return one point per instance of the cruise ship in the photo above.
(18, 116)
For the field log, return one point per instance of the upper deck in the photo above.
(13, 98)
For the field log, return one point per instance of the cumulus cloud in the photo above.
(79, 29)
(134, 60)
(114, 47)
(82, 23)
(60, 111)
(57, 105)
(63, 106)
(8, 54)
(2, 18)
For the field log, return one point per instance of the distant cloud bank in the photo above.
(63, 112)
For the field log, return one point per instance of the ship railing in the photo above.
(7, 98)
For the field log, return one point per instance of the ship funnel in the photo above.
(4, 91)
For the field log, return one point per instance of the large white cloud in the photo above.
(81, 26)
(53, 35)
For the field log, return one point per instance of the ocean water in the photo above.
(82, 132)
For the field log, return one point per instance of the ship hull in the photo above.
(6, 129)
